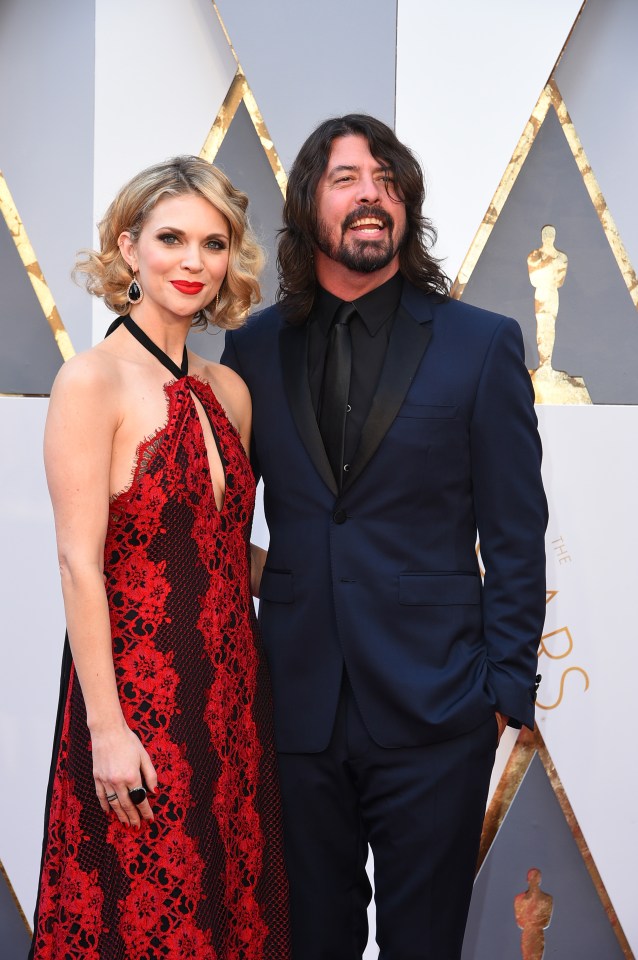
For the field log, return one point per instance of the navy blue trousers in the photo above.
(421, 810)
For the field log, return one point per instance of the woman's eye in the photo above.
(216, 245)
(168, 238)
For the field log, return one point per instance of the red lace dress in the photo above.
(205, 879)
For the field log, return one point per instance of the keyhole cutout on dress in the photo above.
(215, 460)
(216, 466)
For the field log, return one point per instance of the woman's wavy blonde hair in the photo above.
(107, 275)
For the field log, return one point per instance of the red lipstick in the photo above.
(188, 286)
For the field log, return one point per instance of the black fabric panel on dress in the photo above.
(65, 673)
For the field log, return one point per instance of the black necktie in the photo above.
(336, 388)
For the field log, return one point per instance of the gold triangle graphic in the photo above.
(240, 90)
(526, 747)
(4, 875)
(31, 265)
(549, 98)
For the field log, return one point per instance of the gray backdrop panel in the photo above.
(29, 355)
(242, 158)
(14, 936)
(46, 138)
(322, 60)
(599, 82)
(597, 328)
(536, 834)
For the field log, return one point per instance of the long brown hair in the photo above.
(297, 280)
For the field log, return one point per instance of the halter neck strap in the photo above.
(163, 358)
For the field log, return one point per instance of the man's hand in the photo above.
(257, 561)
(502, 721)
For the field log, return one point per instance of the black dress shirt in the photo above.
(370, 332)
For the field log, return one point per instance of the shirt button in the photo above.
(348, 409)
(346, 467)
(340, 516)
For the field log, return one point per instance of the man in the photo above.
(387, 435)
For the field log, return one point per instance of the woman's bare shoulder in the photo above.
(94, 365)
(91, 377)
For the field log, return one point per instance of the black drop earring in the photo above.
(134, 292)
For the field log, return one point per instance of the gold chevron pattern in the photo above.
(240, 90)
(27, 255)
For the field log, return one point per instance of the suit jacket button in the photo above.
(340, 516)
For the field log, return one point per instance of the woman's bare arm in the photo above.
(82, 421)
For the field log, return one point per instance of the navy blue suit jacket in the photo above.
(384, 576)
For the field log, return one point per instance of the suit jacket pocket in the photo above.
(276, 586)
(439, 589)
(428, 411)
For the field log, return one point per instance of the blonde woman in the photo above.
(162, 834)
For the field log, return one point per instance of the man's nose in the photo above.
(368, 190)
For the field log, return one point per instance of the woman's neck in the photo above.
(166, 330)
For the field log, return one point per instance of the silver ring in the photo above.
(111, 797)
(137, 795)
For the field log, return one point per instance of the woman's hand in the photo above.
(120, 764)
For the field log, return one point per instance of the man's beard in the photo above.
(362, 256)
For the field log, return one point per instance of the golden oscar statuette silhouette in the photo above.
(533, 911)
(547, 268)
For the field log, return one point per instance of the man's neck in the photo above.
(350, 284)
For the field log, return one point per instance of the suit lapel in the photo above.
(408, 342)
(293, 346)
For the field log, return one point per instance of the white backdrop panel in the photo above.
(162, 70)
(590, 469)
(468, 77)
(31, 644)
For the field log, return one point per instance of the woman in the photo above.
(163, 832)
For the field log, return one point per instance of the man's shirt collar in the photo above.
(374, 307)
